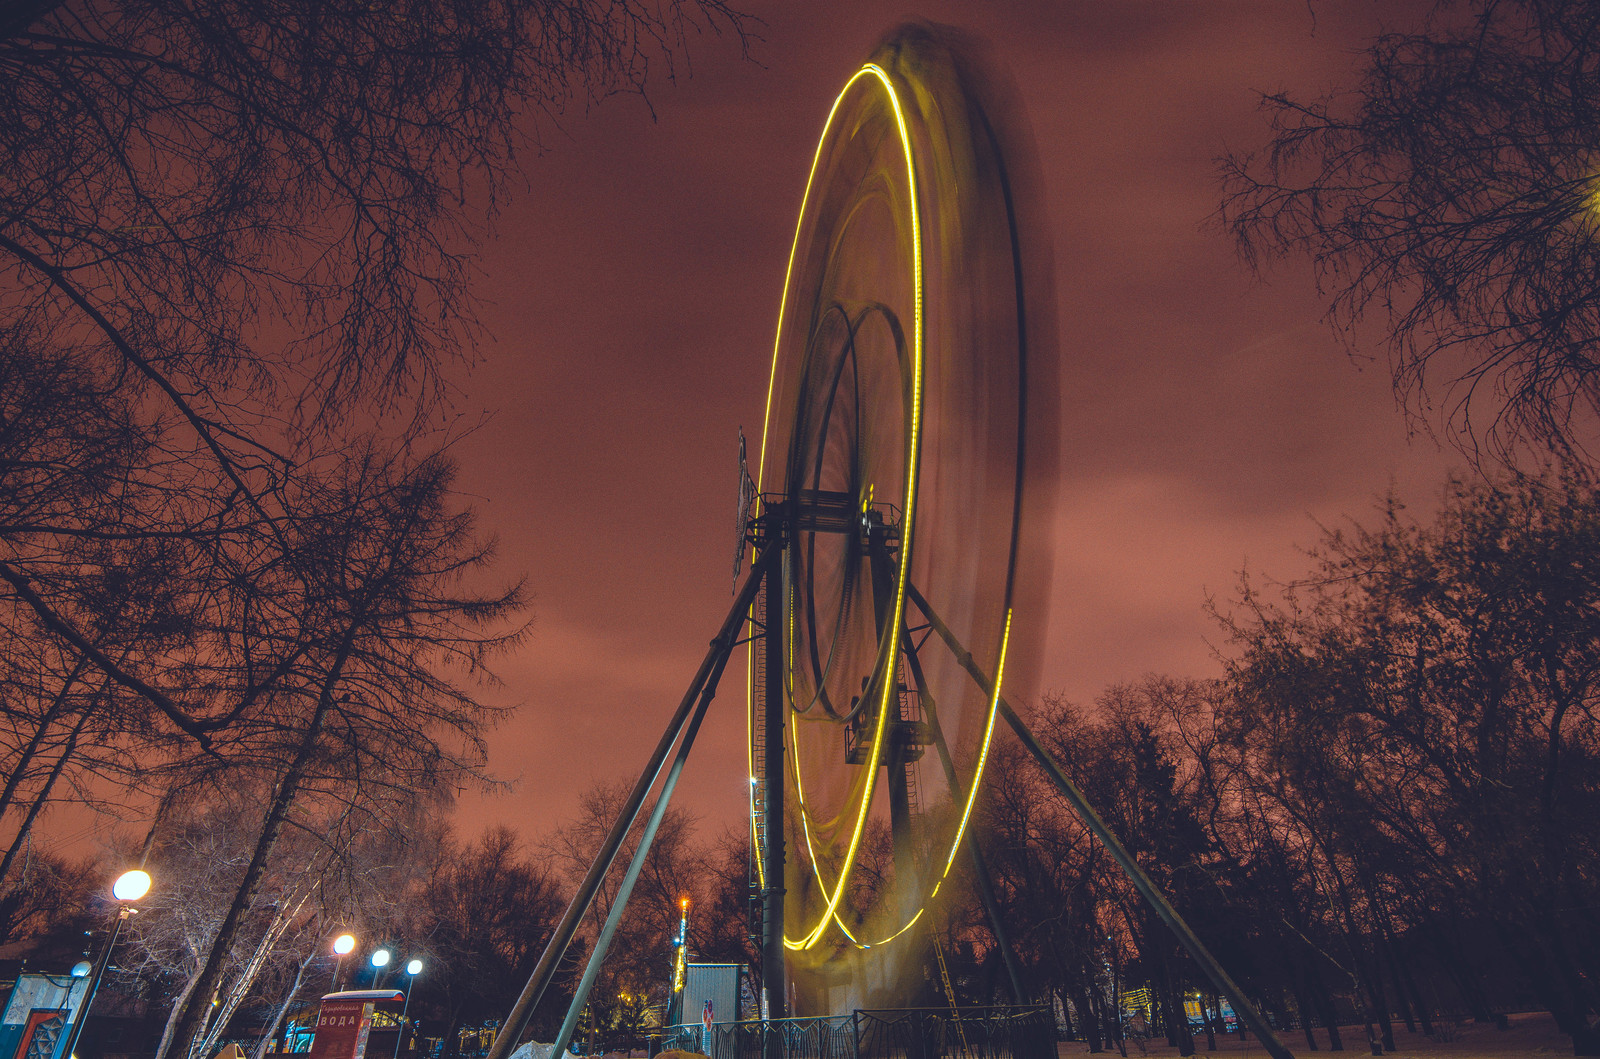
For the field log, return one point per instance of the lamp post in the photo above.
(413, 969)
(129, 887)
(380, 960)
(342, 946)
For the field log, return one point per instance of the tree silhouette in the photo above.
(1451, 193)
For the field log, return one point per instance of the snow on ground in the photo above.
(1532, 1034)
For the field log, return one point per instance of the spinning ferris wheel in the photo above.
(892, 471)
(906, 457)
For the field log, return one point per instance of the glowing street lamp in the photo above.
(413, 969)
(343, 945)
(379, 960)
(129, 887)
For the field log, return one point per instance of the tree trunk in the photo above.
(283, 1008)
(1405, 996)
(1326, 1009)
(452, 1037)
(1297, 983)
(1380, 1002)
(1463, 974)
(19, 771)
(1177, 1019)
(1407, 981)
(1066, 1015)
(171, 1027)
(191, 1014)
(1088, 1019)
(247, 977)
(43, 798)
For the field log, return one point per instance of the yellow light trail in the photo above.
(889, 646)
(966, 814)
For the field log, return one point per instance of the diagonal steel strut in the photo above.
(1091, 819)
(636, 865)
(505, 1042)
(991, 907)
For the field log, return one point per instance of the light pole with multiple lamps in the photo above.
(129, 887)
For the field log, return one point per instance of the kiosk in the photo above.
(358, 1023)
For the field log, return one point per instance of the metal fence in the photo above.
(907, 1033)
(973, 1033)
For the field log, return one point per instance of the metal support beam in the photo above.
(636, 865)
(775, 709)
(505, 1042)
(1091, 819)
(991, 907)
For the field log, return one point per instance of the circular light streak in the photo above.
(925, 239)
(888, 646)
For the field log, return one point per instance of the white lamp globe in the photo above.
(414, 967)
(81, 969)
(131, 885)
(344, 943)
(381, 958)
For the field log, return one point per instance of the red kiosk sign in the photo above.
(344, 1022)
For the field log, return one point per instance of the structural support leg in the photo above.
(505, 1042)
(1113, 845)
(773, 983)
(991, 907)
(636, 865)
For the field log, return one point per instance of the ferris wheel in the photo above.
(893, 594)
(901, 418)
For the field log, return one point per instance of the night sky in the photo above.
(1209, 419)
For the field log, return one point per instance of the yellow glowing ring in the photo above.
(889, 648)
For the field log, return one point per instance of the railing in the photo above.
(911, 1033)
(976, 1033)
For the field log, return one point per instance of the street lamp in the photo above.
(413, 969)
(342, 946)
(380, 960)
(129, 887)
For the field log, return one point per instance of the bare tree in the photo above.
(226, 227)
(638, 961)
(1420, 713)
(1451, 193)
(375, 636)
(484, 915)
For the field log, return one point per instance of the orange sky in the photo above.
(1208, 418)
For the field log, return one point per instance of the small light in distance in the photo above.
(414, 967)
(381, 958)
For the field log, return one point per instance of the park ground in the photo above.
(1529, 1034)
